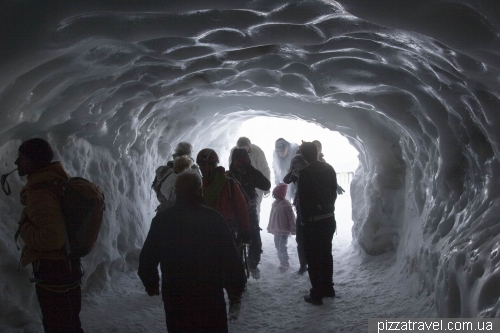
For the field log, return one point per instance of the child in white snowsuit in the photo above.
(281, 224)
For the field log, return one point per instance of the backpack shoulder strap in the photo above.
(55, 187)
(165, 176)
(235, 181)
(168, 173)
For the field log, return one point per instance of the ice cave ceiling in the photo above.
(414, 85)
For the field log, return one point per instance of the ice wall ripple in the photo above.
(114, 91)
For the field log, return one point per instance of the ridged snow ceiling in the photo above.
(415, 87)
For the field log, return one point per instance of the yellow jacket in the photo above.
(42, 228)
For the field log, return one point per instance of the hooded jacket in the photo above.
(282, 219)
(42, 224)
(257, 159)
(248, 176)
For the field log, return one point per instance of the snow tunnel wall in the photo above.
(114, 92)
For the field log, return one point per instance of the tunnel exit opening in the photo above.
(264, 131)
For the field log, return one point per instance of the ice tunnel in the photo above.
(414, 87)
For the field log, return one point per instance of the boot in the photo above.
(302, 270)
(284, 266)
(330, 292)
(234, 311)
(312, 300)
(255, 273)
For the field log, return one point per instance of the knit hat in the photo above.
(37, 150)
(281, 145)
(280, 190)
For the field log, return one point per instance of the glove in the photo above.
(234, 311)
(340, 190)
(153, 291)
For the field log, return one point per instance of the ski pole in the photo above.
(245, 257)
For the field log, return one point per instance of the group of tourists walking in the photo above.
(201, 252)
(205, 235)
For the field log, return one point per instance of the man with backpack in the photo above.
(166, 172)
(43, 230)
(317, 187)
(250, 180)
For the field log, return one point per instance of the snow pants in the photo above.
(318, 249)
(280, 242)
(299, 238)
(255, 248)
(59, 294)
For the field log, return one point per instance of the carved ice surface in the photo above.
(414, 87)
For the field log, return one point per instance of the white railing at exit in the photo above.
(345, 177)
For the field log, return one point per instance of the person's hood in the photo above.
(281, 145)
(240, 153)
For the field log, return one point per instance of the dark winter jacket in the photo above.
(198, 259)
(250, 179)
(317, 189)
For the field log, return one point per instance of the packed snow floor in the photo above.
(367, 287)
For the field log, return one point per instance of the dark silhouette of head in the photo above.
(188, 188)
(207, 159)
(309, 151)
(239, 158)
(33, 155)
